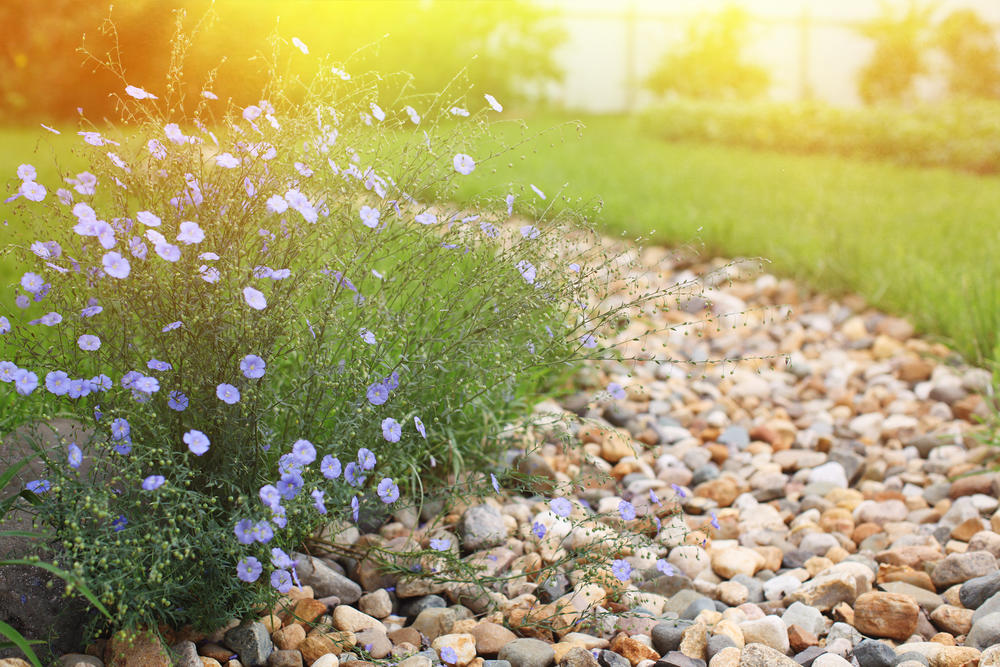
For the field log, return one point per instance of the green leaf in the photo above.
(20, 642)
(69, 577)
(22, 533)
(13, 470)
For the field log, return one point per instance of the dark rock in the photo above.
(975, 592)
(325, 580)
(608, 658)
(251, 642)
(482, 527)
(704, 473)
(698, 606)
(185, 654)
(667, 635)
(794, 558)
(411, 607)
(678, 659)
(807, 656)
(985, 632)
(718, 642)
(911, 655)
(874, 653)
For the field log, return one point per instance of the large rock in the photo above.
(325, 581)
(251, 642)
(482, 527)
(759, 655)
(976, 591)
(985, 631)
(727, 563)
(528, 653)
(959, 568)
(886, 615)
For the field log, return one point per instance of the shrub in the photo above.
(268, 325)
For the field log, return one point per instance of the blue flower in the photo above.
(653, 498)
(355, 508)
(25, 382)
(227, 393)
(391, 430)
(124, 447)
(38, 486)
(678, 490)
(119, 523)
(448, 655)
(367, 336)
(538, 529)
(616, 391)
(378, 393)
(196, 441)
(157, 365)
(561, 507)
(352, 474)
(176, 400)
(244, 531)
(146, 384)
(57, 382)
(269, 495)
(665, 567)
(330, 467)
(496, 484)
(171, 326)
(289, 485)
(280, 559)
(304, 452)
(442, 544)
(120, 429)
(281, 580)
(153, 482)
(626, 510)
(388, 491)
(366, 459)
(317, 496)
(75, 456)
(253, 366)
(249, 569)
(262, 532)
(715, 521)
(621, 569)
(420, 427)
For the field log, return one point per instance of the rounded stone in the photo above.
(528, 653)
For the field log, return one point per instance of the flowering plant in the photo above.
(252, 306)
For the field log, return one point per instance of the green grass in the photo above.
(914, 241)
(917, 242)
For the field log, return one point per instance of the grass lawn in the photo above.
(914, 241)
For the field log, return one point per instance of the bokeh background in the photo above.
(854, 144)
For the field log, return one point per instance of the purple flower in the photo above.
(88, 342)
(653, 498)
(280, 559)
(527, 271)
(38, 486)
(391, 430)
(561, 507)
(177, 401)
(120, 429)
(616, 391)
(665, 567)
(25, 382)
(367, 336)
(254, 298)
(171, 326)
(420, 427)
(119, 523)
(50, 319)
(153, 482)
(626, 510)
(715, 521)
(369, 217)
(442, 544)
(157, 365)
(448, 655)
(289, 484)
(281, 580)
(538, 529)
(249, 569)
(678, 490)
(621, 569)
(495, 483)
(227, 393)
(464, 164)
(330, 467)
(317, 496)
(355, 508)
(366, 459)
(57, 382)
(262, 531)
(197, 442)
(304, 452)
(32, 282)
(146, 384)
(388, 491)
(115, 265)
(269, 495)
(378, 393)
(4, 325)
(124, 447)
(244, 531)
(253, 366)
(352, 474)
(75, 456)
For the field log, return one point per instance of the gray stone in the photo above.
(668, 586)
(496, 663)
(873, 653)
(985, 632)
(552, 587)
(808, 656)
(755, 586)
(678, 659)
(704, 473)
(806, 617)
(482, 527)
(185, 654)
(843, 631)
(735, 436)
(325, 580)
(758, 655)
(578, 657)
(608, 658)
(288, 658)
(976, 591)
(698, 606)
(79, 660)
(528, 653)
(411, 607)
(959, 568)
(251, 642)
(667, 635)
(718, 642)
(912, 656)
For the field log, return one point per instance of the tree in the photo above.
(901, 44)
(710, 63)
(973, 58)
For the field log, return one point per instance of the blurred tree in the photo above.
(710, 64)
(970, 46)
(901, 44)
(507, 48)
